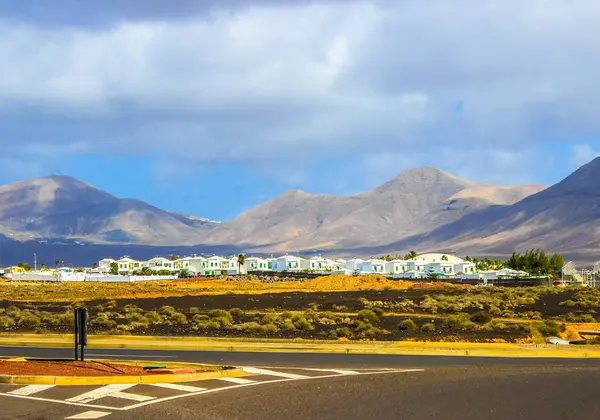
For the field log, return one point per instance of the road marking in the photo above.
(179, 387)
(88, 415)
(135, 356)
(227, 388)
(339, 371)
(258, 371)
(30, 389)
(109, 391)
(237, 380)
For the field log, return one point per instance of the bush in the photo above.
(178, 319)
(302, 323)
(430, 326)
(368, 315)
(407, 325)
(268, 319)
(379, 312)
(27, 319)
(194, 310)
(236, 312)
(494, 324)
(6, 322)
(221, 316)
(136, 320)
(459, 321)
(287, 315)
(343, 332)
(550, 328)
(154, 318)
(481, 317)
(101, 320)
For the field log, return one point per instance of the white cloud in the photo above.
(287, 81)
(582, 154)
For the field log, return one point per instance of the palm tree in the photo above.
(56, 263)
(241, 259)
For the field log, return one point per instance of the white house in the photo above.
(287, 263)
(353, 265)
(104, 265)
(373, 266)
(396, 267)
(318, 264)
(127, 265)
(443, 268)
(465, 268)
(160, 264)
(418, 266)
(257, 264)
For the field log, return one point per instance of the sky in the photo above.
(212, 107)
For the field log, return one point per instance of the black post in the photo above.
(76, 325)
(82, 330)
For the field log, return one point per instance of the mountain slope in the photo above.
(563, 217)
(415, 201)
(64, 207)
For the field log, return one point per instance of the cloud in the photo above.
(582, 154)
(203, 84)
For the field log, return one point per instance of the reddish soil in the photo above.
(35, 368)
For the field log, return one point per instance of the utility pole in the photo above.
(34, 262)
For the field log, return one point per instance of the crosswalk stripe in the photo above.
(240, 381)
(88, 415)
(30, 389)
(179, 387)
(115, 390)
(258, 371)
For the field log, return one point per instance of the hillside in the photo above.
(564, 217)
(64, 207)
(416, 201)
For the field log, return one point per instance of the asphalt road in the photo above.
(334, 386)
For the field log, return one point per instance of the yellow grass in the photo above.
(73, 292)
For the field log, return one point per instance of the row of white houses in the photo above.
(422, 266)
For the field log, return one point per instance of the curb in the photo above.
(109, 380)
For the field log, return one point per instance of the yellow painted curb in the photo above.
(108, 380)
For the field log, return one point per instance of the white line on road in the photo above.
(30, 389)
(114, 390)
(236, 380)
(88, 415)
(258, 371)
(180, 387)
(227, 388)
(135, 356)
(338, 371)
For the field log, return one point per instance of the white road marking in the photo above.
(30, 389)
(227, 388)
(134, 356)
(109, 391)
(339, 371)
(89, 415)
(180, 387)
(236, 380)
(258, 371)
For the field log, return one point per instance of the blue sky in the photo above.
(212, 107)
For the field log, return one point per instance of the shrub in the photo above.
(302, 323)
(136, 320)
(459, 321)
(131, 309)
(194, 310)
(287, 314)
(13, 312)
(221, 316)
(310, 314)
(236, 312)
(178, 319)
(481, 317)
(339, 308)
(6, 322)
(270, 329)
(494, 324)
(368, 315)
(407, 325)
(379, 312)
(428, 327)
(27, 319)
(167, 310)
(286, 324)
(207, 324)
(200, 318)
(102, 320)
(550, 328)
(343, 332)
(154, 318)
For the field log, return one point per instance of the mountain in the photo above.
(564, 217)
(64, 207)
(414, 202)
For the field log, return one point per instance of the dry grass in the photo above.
(73, 292)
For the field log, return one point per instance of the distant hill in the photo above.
(564, 217)
(64, 207)
(416, 201)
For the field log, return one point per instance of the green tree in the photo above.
(94, 265)
(174, 257)
(556, 263)
(24, 266)
(145, 271)
(412, 254)
(241, 259)
(42, 266)
(114, 268)
(56, 263)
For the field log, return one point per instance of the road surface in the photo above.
(324, 386)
